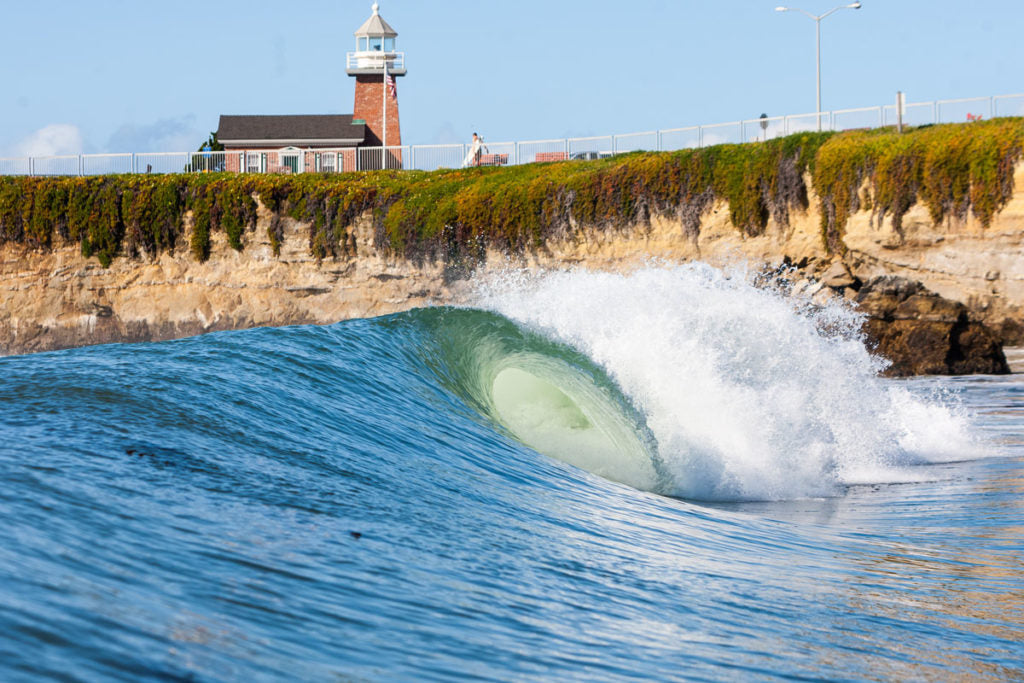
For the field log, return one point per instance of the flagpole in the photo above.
(384, 113)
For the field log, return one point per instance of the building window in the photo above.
(327, 160)
(253, 162)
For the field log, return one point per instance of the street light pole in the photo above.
(817, 25)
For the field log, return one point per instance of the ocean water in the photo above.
(670, 474)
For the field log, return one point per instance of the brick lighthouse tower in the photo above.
(375, 65)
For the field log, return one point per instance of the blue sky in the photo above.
(130, 75)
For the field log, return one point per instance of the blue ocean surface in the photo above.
(668, 475)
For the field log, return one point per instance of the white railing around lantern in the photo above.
(372, 60)
(432, 157)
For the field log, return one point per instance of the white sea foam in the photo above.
(749, 393)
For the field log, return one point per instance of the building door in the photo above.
(289, 158)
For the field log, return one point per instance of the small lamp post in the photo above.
(764, 127)
(817, 25)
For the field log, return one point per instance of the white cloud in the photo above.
(53, 140)
(166, 135)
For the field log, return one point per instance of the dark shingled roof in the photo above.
(302, 128)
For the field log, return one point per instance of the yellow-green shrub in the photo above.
(951, 169)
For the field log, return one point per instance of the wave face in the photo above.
(749, 395)
(651, 476)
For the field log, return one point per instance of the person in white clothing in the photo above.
(476, 152)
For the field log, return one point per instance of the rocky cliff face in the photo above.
(58, 299)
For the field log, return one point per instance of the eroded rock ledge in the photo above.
(59, 299)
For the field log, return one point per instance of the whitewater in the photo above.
(673, 473)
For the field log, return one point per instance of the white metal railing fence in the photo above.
(433, 157)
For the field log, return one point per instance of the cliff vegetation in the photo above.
(456, 214)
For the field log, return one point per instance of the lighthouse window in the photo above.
(375, 43)
(363, 44)
(389, 45)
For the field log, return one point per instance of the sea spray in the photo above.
(750, 394)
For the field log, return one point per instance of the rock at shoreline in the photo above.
(922, 333)
(838, 276)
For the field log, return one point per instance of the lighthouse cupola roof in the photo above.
(376, 49)
(376, 27)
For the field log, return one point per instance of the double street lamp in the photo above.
(817, 24)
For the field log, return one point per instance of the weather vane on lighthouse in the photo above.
(375, 65)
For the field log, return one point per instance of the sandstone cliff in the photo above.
(51, 299)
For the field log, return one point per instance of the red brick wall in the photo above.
(233, 162)
(368, 107)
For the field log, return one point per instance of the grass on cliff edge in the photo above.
(455, 214)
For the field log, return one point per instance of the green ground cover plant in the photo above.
(456, 214)
(952, 169)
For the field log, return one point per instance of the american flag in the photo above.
(392, 88)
